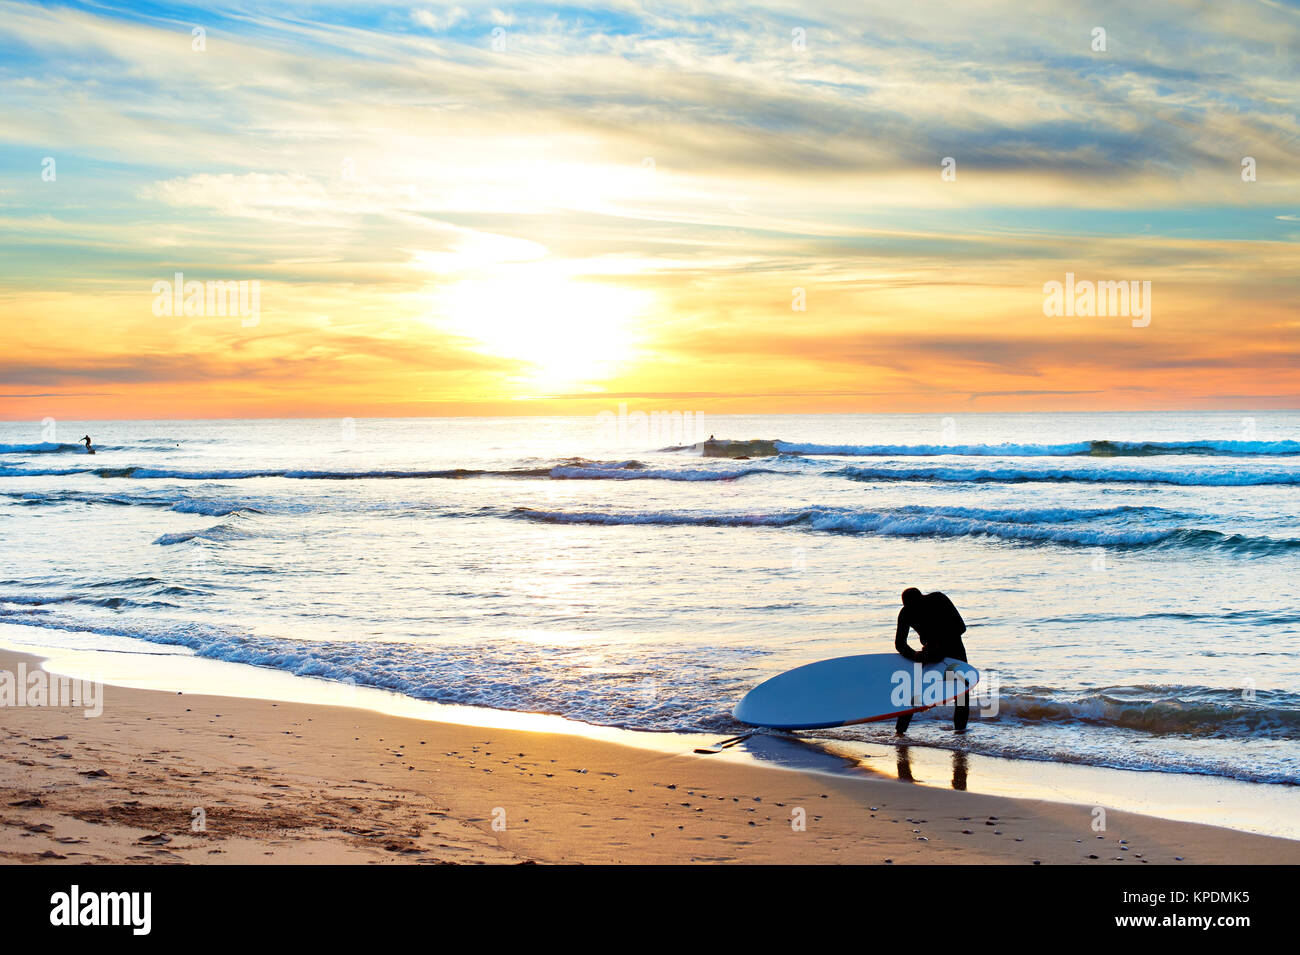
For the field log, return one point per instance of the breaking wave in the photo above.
(1099, 475)
(1054, 526)
(1101, 449)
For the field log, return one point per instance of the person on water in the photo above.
(939, 625)
(89, 449)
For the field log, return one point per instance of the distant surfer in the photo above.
(939, 625)
(89, 449)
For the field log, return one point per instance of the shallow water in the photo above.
(1128, 580)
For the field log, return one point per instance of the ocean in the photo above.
(1129, 580)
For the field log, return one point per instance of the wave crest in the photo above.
(1164, 710)
(1048, 526)
(1099, 449)
(1019, 475)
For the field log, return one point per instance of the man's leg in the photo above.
(961, 713)
(900, 726)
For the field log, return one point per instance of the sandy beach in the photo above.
(292, 783)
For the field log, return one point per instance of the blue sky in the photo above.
(397, 170)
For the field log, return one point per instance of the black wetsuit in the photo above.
(939, 625)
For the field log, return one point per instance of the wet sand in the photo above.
(297, 783)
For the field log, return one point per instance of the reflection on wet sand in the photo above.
(904, 756)
(959, 771)
(830, 755)
(959, 767)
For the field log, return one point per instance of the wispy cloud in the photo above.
(365, 162)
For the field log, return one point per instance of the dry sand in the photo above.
(287, 782)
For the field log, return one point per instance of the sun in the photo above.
(571, 332)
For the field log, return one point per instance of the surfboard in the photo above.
(856, 689)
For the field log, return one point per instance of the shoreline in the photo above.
(309, 782)
(1270, 809)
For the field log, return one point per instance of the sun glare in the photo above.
(570, 332)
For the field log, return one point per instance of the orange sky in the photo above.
(613, 209)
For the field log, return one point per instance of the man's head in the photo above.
(911, 597)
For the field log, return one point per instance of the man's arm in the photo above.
(900, 638)
(924, 655)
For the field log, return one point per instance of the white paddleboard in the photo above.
(857, 689)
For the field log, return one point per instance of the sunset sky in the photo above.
(537, 208)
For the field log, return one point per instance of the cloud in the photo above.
(365, 161)
(55, 394)
(439, 20)
(877, 92)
